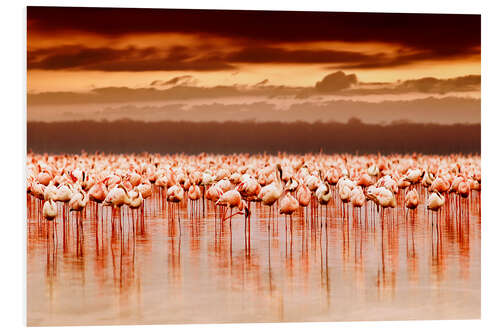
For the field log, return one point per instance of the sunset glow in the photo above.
(227, 54)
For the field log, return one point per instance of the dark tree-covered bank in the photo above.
(254, 137)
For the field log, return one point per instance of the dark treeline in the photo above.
(299, 137)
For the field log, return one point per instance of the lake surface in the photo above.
(326, 265)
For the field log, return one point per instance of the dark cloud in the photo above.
(124, 94)
(468, 83)
(178, 80)
(254, 35)
(281, 55)
(335, 82)
(262, 83)
(80, 57)
(383, 60)
(439, 32)
(420, 37)
(133, 59)
(433, 85)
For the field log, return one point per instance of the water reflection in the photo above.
(177, 263)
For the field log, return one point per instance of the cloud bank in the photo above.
(184, 88)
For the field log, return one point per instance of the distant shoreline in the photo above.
(127, 136)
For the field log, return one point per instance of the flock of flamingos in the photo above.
(231, 184)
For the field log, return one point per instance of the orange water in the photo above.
(318, 268)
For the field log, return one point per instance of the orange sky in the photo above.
(129, 55)
(74, 49)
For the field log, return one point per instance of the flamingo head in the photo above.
(123, 187)
(280, 170)
(244, 209)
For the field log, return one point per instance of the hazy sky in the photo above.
(96, 56)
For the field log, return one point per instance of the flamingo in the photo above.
(345, 195)
(373, 170)
(365, 180)
(463, 189)
(288, 205)
(428, 179)
(116, 180)
(194, 193)
(134, 202)
(232, 199)
(116, 198)
(411, 199)
(435, 201)
(77, 203)
(50, 192)
(440, 185)
(235, 178)
(324, 195)
(269, 194)
(303, 195)
(50, 209)
(64, 193)
(44, 178)
(357, 197)
(382, 197)
(249, 188)
(135, 199)
(291, 185)
(214, 193)
(175, 194)
(414, 176)
(145, 189)
(98, 192)
(134, 178)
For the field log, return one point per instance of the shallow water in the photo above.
(331, 265)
